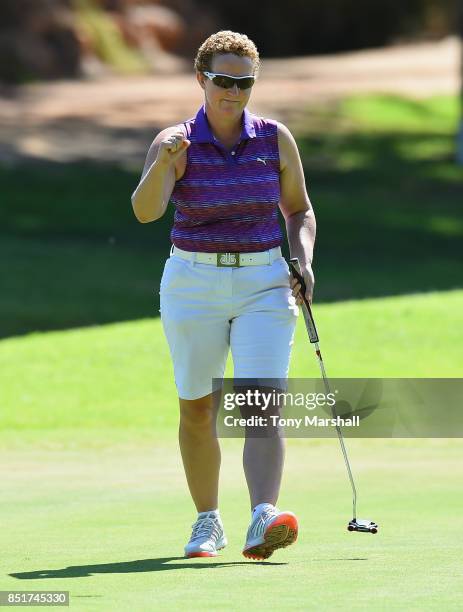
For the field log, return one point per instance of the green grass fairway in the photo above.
(120, 375)
(110, 527)
(94, 499)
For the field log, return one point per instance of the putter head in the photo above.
(364, 525)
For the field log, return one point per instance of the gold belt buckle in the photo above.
(227, 260)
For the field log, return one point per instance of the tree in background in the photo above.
(46, 39)
(305, 27)
(37, 39)
(53, 39)
(460, 132)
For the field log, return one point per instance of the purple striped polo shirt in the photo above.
(227, 200)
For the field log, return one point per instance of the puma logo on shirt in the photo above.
(261, 160)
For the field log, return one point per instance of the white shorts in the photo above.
(206, 310)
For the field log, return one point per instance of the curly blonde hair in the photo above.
(223, 42)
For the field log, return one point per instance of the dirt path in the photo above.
(115, 119)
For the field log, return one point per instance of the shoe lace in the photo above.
(205, 527)
(258, 525)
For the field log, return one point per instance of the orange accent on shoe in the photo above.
(285, 518)
(201, 554)
(281, 533)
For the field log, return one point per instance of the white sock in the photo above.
(208, 512)
(259, 508)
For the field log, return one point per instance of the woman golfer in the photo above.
(226, 284)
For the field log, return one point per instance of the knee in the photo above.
(197, 415)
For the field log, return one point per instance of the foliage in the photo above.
(106, 39)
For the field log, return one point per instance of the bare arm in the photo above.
(151, 197)
(296, 209)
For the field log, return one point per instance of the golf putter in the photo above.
(364, 525)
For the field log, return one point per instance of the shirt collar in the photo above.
(204, 133)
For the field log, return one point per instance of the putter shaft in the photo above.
(313, 336)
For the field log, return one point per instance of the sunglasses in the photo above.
(225, 81)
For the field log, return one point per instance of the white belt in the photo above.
(230, 260)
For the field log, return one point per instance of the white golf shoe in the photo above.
(207, 536)
(270, 529)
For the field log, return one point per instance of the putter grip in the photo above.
(310, 323)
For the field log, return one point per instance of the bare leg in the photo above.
(263, 455)
(263, 460)
(200, 450)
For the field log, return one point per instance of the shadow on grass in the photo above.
(143, 565)
(388, 207)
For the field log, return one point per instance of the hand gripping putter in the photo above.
(355, 524)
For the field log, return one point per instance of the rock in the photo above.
(26, 55)
(39, 41)
(157, 22)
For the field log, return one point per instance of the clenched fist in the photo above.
(171, 147)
